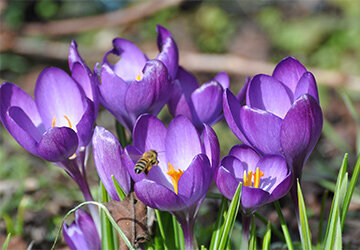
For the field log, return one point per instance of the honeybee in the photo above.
(146, 162)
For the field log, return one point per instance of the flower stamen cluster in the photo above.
(248, 177)
(175, 176)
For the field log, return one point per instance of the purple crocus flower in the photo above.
(187, 163)
(264, 179)
(282, 114)
(201, 104)
(107, 155)
(82, 233)
(136, 85)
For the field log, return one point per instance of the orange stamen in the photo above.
(53, 123)
(175, 176)
(68, 121)
(248, 177)
(139, 76)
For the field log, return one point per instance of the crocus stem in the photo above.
(246, 221)
(294, 196)
(188, 231)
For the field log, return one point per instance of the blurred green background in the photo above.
(323, 34)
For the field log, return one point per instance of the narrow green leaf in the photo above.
(343, 190)
(6, 242)
(161, 227)
(120, 131)
(231, 217)
(334, 211)
(20, 215)
(304, 224)
(108, 215)
(273, 228)
(338, 237)
(120, 192)
(178, 234)
(321, 219)
(9, 224)
(267, 237)
(252, 240)
(215, 239)
(106, 228)
(350, 192)
(284, 226)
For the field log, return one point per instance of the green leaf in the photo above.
(350, 191)
(20, 215)
(267, 237)
(106, 228)
(178, 234)
(108, 215)
(215, 239)
(284, 226)
(334, 211)
(230, 218)
(120, 192)
(252, 240)
(161, 227)
(6, 242)
(338, 237)
(304, 224)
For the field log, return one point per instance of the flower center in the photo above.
(139, 76)
(248, 177)
(175, 176)
(67, 118)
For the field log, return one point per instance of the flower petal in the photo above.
(169, 53)
(129, 157)
(223, 78)
(211, 145)
(195, 181)
(300, 131)
(151, 93)
(107, 155)
(275, 171)
(232, 108)
(226, 182)
(57, 95)
(74, 56)
(131, 62)
(307, 85)
(85, 126)
(289, 72)
(266, 93)
(112, 91)
(158, 196)
(182, 143)
(253, 198)
(207, 102)
(58, 144)
(235, 166)
(282, 188)
(248, 157)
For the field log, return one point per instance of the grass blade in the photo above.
(267, 237)
(284, 226)
(215, 239)
(350, 192)
(120, 192)
(252, 240)
(304, 224)
(338, 237)
(6, 242)
(106, 228)
(334, 211)
(178, 234)
(230, 217)
(273, 228)
(161, 227)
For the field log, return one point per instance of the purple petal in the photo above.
(88, 228)
(275, 171)
(158, 196)
(187, 81)
(282, 188)
(300, 131)
(289, 72)
(58, 144)
(248, 157)
(132, 60)
(307, 85)
(22, 129)
(207, 101)
(266, 93)
(262, 130)
(182, 143)
(211, 145)
(232, 115)
(129, 158)
(195, 181)
(57, 95)
(234, 166)
(12, 95)
(253, 198)
(107, 155)
(223, 79)
(151, 93)
(226, 182)
(112, 91)
(169, 53)
(74, 56)
(85, 126)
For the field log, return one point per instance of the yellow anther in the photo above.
(257, 176)
(53, 123)
(68, 121)
(175, 176)
(248, 177)
(139, 76)
(72, 157)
